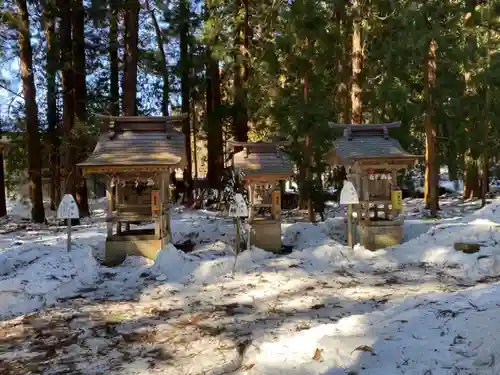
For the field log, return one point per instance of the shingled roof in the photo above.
(262, 159)
(368, 141)
(139, 141)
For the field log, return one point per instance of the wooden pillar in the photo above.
(250, 202)
(394, 176)
(163, 193)
(157, 216)
(166, 203)
(109, 207)
(118, 192)
(366, 195)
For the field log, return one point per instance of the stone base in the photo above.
(380, 234)
(266, 234)
(118, 247)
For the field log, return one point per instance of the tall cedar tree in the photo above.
(484, 158)
(80, 98)
(31, 109)
(431, 140)
(342, 92)
(184, 13)
(471, 185)
(69, 146)
(357, 63)
(51, 67)
(113, 59)
(215, 154)
(240, 118)
(131, 57)
(163, 59)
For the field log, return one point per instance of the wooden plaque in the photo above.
(155, 202)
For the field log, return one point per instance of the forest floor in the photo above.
(418, 308)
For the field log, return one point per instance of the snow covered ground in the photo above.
(418, 308)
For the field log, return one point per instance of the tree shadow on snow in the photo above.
(129, 321)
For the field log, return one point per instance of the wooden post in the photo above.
(366, 195)
(394, 176)
(156, 206)
(163, 197)
(168, 232)
(109, 208)
(350, 241)
(250, 202)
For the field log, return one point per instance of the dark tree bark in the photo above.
(132, 8)
(113, 60)
(70, 152)
(342, 92)
(185, 84)
(214, 132)
(431, 129)
(215, 137)
(241, 40)
(80, 98)
(31, 109)
(163, 60)
(52, 51)
(357, 64)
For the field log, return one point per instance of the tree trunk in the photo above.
(49, 20)
(484, 158)
(472, 188)
(114, 85)
(301, 183)
(3, 200)
(308, 155)
(185, 84)
(342, 93)
(357, 64)
(31, 109)
(130, 56)
(68, 98)
(214, 131)
(431, 144)
(240, 110)
(80, 98)
(452, 161)
(163, 58)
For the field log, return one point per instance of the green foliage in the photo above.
(294, 41)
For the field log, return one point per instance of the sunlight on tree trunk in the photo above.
(431, 145)
(31, 109)
(163, 60)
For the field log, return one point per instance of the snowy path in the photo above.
(322, 310)
(157, 327)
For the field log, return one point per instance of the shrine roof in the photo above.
(369, 141)
(135, 141)
(262, 158)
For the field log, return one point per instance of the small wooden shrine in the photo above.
(136, 155)
(263, 165)
(372, 161)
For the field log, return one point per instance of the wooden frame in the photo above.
(125, 169)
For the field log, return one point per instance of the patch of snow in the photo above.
(42, 277)
(176, 266)
(430, 334)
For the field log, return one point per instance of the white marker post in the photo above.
(349, 196)
(67, 210)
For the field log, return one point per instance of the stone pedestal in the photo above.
(118, 247)
(266, 234)
(380, 234)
